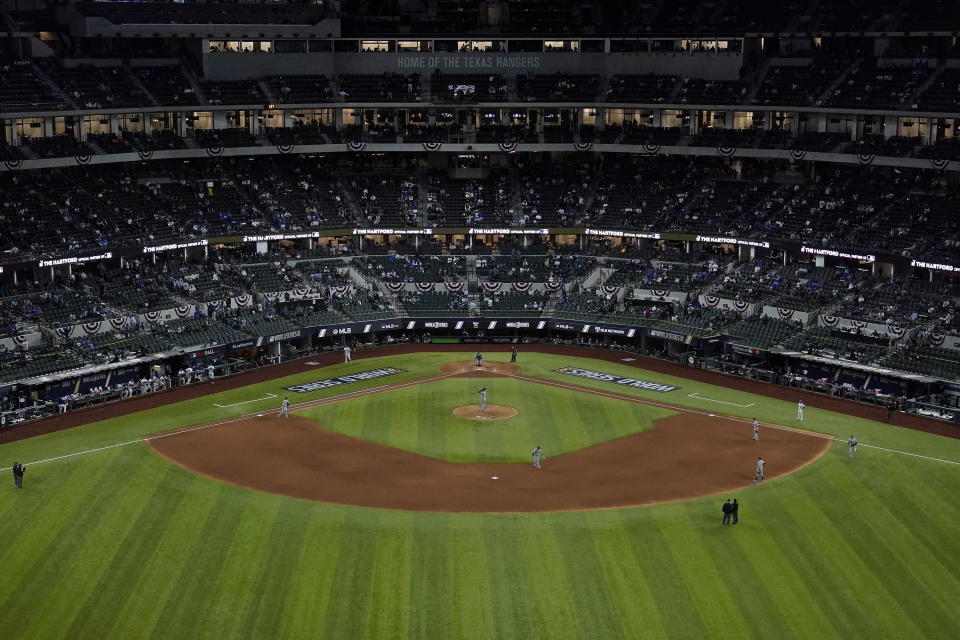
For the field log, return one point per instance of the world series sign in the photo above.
(342, 380)
(621, 380)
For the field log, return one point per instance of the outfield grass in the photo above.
(122, 544)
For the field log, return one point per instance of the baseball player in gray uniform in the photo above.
(537, 456)
(346, 356)
(852, 443)
(800, 407)
(756, 430)
(761, 463)
(284, 408)
(483, 399)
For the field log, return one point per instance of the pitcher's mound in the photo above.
(493, 412)
(469, 369)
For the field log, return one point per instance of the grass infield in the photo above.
(121, 543)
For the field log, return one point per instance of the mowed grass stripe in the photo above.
(847, 590)
(188, 603)
(511, 599)
(470, 600)
(702, 578)
(631, 599)
(891, 546)
(227, 607)
(678, 612)
(261, 616)
(596, 604)
(312, 584)
(431, 578)
(554, 606)
(39, 565)
(111, 592)
(749, 587)
(166, 560)
(796, 604)
(390, 600)
(350, 607)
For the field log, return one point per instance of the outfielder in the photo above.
(346, 356)
(800, 407)
(761, 463)
(284, 408)
(852, 443)
(537, 456)
(756, 430)
(483, 399)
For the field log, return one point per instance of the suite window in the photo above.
(379, 46)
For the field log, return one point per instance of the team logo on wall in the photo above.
(508, 147)
(522, 287)
(582, 146)
(725, 151)
(117, 323)
(394, 287)
(652, 149)
(785, 314)
(152, 316)
(798, 154)
(739, 306)
(284, 148)
(91, 327)
(183, 311)
(424, 287)
(431, 146)
(145, 154)
(13, 165)
(82, 158)
(659, 293)
(455, 287)
(939, 163)
(830, 321)
(865, 158)
(356, 145)
(492, 287)
(711, 301)
(215, 150)
(553, 286)
(610, 291)
(896, 332)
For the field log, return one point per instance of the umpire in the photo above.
(18, 470)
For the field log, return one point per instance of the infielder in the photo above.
(346, 356)
(483, 399)
(756, 430)
(479, 359)
(852, 443)
(800, 407)
(761, 463)
(537, 455)
(285, 408)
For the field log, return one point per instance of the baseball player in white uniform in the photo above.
(756, 430)
(346, 355)
(852, 443)
(761, 463)
(284, 408)
(483, 399)
(800, 407)
(537, 456)
(210, 373)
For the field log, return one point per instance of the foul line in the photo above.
(732, 404)
(374, 390)
(237, 404)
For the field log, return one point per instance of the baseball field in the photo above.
(388, 505)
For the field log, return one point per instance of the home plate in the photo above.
(494, 477)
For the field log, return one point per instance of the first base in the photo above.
(259, 415)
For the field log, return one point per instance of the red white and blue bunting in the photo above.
(117, 323)
(183, 311)
(651, 149)
(356, 145)
(455, 287)
(553, 286)
(939, 163)
(508, 147)
(865, 158)
(302, 291)
(492, 287)
(152, 316)
(798, 154)
(394, 287)
(711, 301)
(829, 321)
(242, 300)
(895, 331)
(340, 290)
(431, 146)
(785, 314)
(522, 287)
(725, 151)
(740, 306)
(610, 291)
(936, 339)
(659, 293)
(424, 287)
(90, 328)
(20, 341)
(582, 146)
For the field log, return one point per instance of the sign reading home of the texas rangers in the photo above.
(342, 380)
(609, 377)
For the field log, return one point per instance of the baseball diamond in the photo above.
(196, 499)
